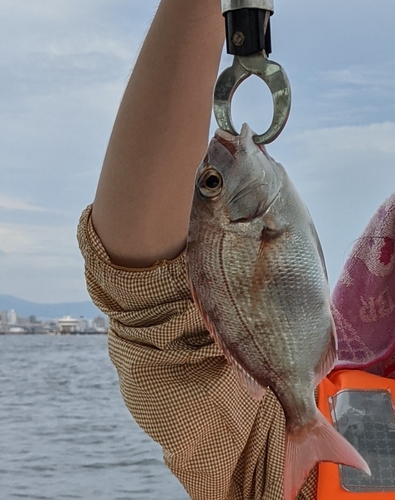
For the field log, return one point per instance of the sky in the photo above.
(65, 64)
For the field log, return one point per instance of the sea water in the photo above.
(65, 432)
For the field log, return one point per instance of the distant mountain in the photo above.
(26, 308)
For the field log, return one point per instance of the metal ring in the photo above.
(275, 78)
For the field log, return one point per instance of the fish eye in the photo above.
(210, 183)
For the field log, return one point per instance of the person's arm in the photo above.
(141, 209)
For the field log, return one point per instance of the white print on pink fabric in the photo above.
(377, 251)
(346, 278)
(349, 340)
(364, 298)
(375, 308)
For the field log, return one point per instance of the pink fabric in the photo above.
(364, 298)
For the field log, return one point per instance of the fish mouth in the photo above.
(246, 131)
(228, 141)
(233, 143)
(226, 136)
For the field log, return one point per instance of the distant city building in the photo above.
(16, 329)
(12, 317)
(10, 322)
(72, 325)
(3, 319)
(100, 324)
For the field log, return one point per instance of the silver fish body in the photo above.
(258, 277)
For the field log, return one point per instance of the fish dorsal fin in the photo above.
(255, 390)
(319, 248)
(329, 358)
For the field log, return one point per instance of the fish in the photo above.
(257, 275)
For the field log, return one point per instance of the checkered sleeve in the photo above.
(220, 443)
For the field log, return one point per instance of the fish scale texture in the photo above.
(221, 444)
(268, 303)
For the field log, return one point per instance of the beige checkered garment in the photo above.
(177, 385)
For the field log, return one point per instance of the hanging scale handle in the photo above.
(248, 38)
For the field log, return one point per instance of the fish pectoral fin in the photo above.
(255, 390)
(329, 358)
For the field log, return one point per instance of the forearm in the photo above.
(142, 204)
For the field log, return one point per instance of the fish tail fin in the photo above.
(317, 442)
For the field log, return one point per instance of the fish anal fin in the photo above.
(316, 442)
(329, 357)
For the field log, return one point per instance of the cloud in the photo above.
(64, 67)
(63, 73)
(53, 242)
(88, 45)
(9, 203)
(377, 76)
(377, 138)
(353, 94)
(39, 9)
(343, 174)
(357, 162)
(361, 91)
(41, 263)
(67, 28)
